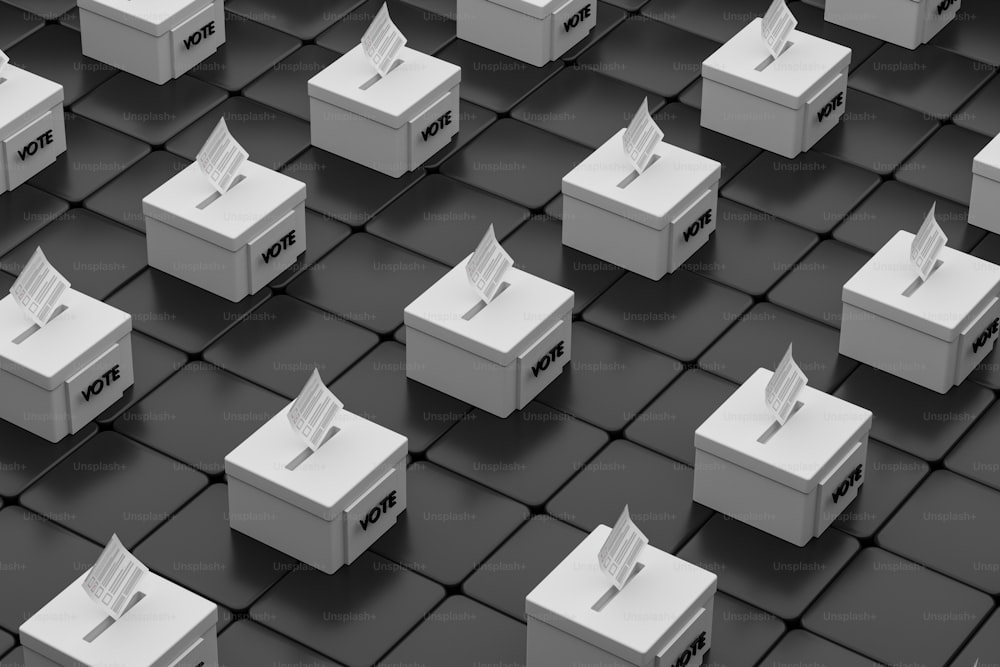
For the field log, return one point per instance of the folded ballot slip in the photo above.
(222, 158)
(40, 289)
(383, 41)
(641, 138)
(621, 550)
(488, 266)
(777, 27)
(114, 578)
(926, 246)
(312, 413)
(784, 387)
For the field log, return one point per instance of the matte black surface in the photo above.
(26, 457)
(681, 127)
(15, 25)
(152, 363)
(323, 234)
(25, 211)
(717, 20)
(982, 113)
(425, 32)
(303, 18)
(941, 166)
(247, 643)
(971, 34)
(977, 456)
(985, 642)
(54, 52)
(121, 199)
(284, 85)
(799, 646)
(811, 20)
(740, 633)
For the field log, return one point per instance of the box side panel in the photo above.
(824, 110)
(543, 362)
(548, 646)
(571, 23)
(197, 38)
(34, 659)
(689, 645)
(359, 139)
(751, 119)
(374, 512)
(841, 486)
(433, 128)
(35, 146)
(692, 228)
(984, 208)
(276, 249)
(126, 48)
(95, 388)
(505, 31)
(204, 652)
(939, 14)
(626, 243)
(196, 261)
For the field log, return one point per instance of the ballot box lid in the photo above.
(352, 83)
(189, 202)
(794, 78)
(538, 9)
(802, 452)
(325, 483)
(153, 633)
(987, 162)
(943, 306)
(68, 343)
(155, 17)
(660, 194)
(638, 620)
(24, 96)
(499, 331)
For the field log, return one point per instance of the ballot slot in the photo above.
(304, 455)
(612, 592)
(770, 59)
(378, 77)
(217, 195)
(30, 331)
(915, 285)
(773, 429)
(101, 627)
(635, 174)
(476, 309)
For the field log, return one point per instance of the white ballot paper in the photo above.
(222, 157)
(39, 289)
(3, 61)
(312, 413)
(487, 266)
(382, 41)
(113, 579)
(641, 138)
(927, 245)
(620, 551)
(778, 24)
(784, 387)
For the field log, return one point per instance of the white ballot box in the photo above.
(231, 244)
(165, 626)
(932, 333)
(324, 507)
(56, 379)
(497, 356)
(648, 223)
(789, 480)
(391, 124)
(661, 618)
(906, 23)
(783, 105)
(157, 40)
(31, 125)
(532, 31)
(984, 208)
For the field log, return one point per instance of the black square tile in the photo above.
(24, 211)
(180, 314)
(537, 248)
(609, 379)
(667, 425)
(692, 95)
(121, 199)
(986, 642)
(450, 525)
(814, 286)
(441, 7)
(681, 314)
(717, 20)
(767, 571)
(354, 615)
(608, 17)
(153, 362)
(637, 50)
(147, 111)
(890, 476)
(280, 344)
(113, 485)
(512, 571)
(987, 373)
(197, 549)
(303, 18)
(681, 127)
(583, 106)
(6, 642)
(657, 490)
(55, 53)
(799, 646)
(740, 633)
(462, 632)
(40, 559)
(246, 643)
(947, 525)
(971, 32)
(425, 31)
(812, 21)
(377, 388)
(977, 456)
(875, 134)
(323, 235)
(894, 206)
(982, 113)
(516, 161)
(327, 191)
(760, 339)
(812, 191)
(896, 611)
(493, 80)
(444, 219)
(941, 166)
(27, 457)
(284, 86)
(473, 119)
(930, 80)
(47, 9)
(367, 281)
(917, 420)
(527, 456)
(750, 250)
(94, 155)
(250, 50)
(15, 25)
(271, 137)
(199, 415)
(94, 254)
